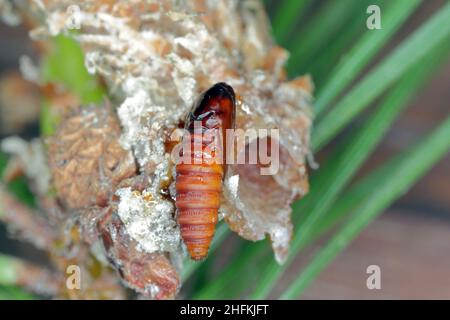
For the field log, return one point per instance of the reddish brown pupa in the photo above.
(199, 183)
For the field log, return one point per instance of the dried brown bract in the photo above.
(86, 159)
(151, 274)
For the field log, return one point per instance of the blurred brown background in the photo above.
(410, 242)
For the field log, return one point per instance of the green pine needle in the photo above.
(370, 44)
(285, 18)
(432, 34)
(417, 162)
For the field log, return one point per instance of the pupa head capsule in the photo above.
(215, 108)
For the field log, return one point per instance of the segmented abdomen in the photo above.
(198, 188)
